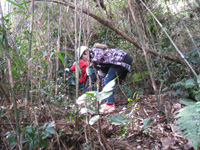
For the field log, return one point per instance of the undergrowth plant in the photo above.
(188, 118)
(34, 136)
(89, 98)
(134, 99)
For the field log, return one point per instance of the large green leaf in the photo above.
(61, 58)
(103, 96)
(186, 101)
(118, 119)
(147, 121)
(81, 99)
(94, 119)
(51, 130)
(189, 83)
(44, 143)
(44, 134)
(189, 123)
(51, 124)
(109, 86)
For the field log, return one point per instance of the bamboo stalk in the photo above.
(176, 48)
(77, 64)
(11, 77)
(145, 54)
(188, 31)
(58, 50)
(29, 62)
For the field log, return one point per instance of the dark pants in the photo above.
(87, 84)
(113, 72)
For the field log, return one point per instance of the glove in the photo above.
(89, 71)
(67, 69)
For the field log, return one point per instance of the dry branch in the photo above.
(117, 31)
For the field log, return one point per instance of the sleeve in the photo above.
(73, 68)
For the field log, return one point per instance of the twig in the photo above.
(121, 88)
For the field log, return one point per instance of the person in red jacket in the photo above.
(83, 65)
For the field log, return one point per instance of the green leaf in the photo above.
(94, 119)
(67, 54)
(44, 126)
(44, 143)
(32, 14)
(1, 38)
(197, 97)
(186, 101)
(45, 134)
(118, 119)
(177, 92)
(188, 122)
(198, 79)
(25, 4)
(31, 145)
(81, 99)
(109, 86)
(146, 122)
(61, 58)
(45, 92)
(20, 6)
(51, 124)
(11, 140)
(103, 96)
(92, 93)
(13, 13)
(166, 88)
(51, 130)
(189, 83)
(25, 140)
(139, 90)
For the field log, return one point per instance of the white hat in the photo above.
(82, 49)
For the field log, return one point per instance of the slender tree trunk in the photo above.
(29, 62)
(58, 50)
(10, 77)
(144, 51)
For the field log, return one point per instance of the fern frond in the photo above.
(189, 123)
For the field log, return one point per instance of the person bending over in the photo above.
(110, 63)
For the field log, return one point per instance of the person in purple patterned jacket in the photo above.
(110, 63)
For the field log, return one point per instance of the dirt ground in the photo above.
(160, 134)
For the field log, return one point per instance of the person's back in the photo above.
(110, 63)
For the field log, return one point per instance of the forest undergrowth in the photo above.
(157, 106)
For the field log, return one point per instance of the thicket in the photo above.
(38, 41)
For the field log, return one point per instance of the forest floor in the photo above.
(160, 134)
